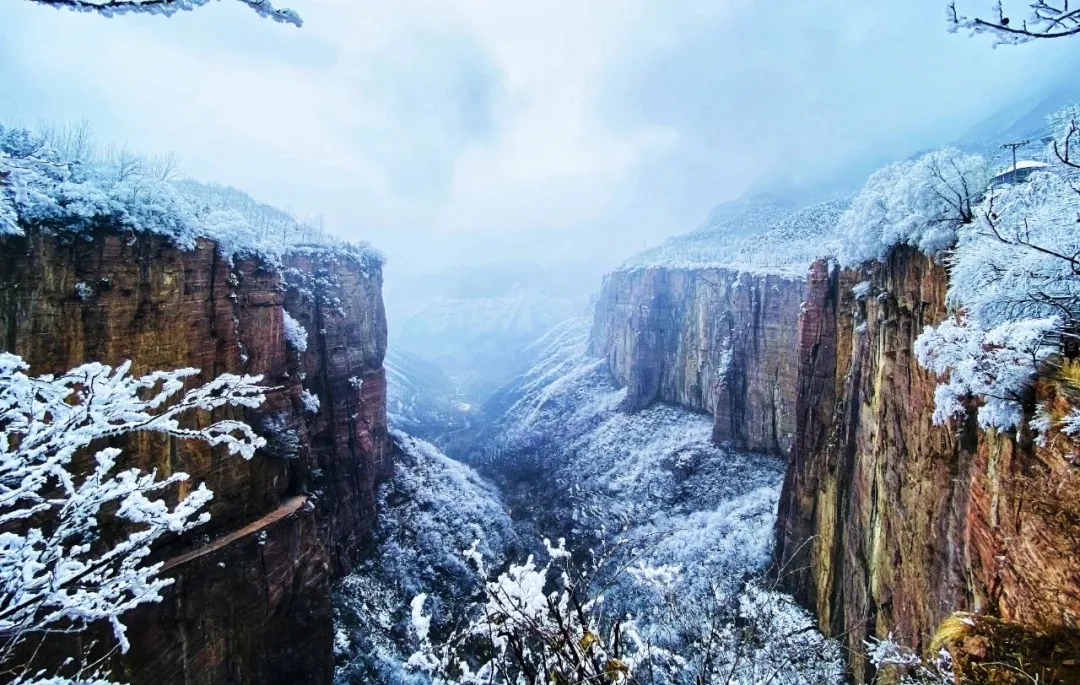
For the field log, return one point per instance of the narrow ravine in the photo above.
(687, 524)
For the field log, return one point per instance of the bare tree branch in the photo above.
(109, 8)
(1046, 20)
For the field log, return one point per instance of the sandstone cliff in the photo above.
(888, 523)
(713, 340)
(251, 601)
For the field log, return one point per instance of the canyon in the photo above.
(712, 340)
(887, 524)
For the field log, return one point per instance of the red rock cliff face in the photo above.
(888, 523)
(708, 339)
(339, 302)
(251, 601)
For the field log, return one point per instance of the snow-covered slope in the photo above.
(763, 234)
(656, 469)
(431, 510)
(420, 399)
(654, 481)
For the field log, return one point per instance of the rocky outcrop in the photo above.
(339, 302)
(712, 340)
(254, 610)
(889, 523)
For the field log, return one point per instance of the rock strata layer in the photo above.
(257, 609)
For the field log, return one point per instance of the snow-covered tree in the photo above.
(1014, 279)
(59, 179)
(995, 365)
(918, 202)
(562, 622)
(110, 8)
(76, 529)
(1022, 258)
(1043, 20)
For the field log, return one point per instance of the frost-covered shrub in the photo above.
(920, 203)
(905, 667)
(58, 572)
(282, 440)
(310, 401)
(295, 333)
(996, 365)
(555, 622)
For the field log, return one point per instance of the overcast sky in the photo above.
(458, 131)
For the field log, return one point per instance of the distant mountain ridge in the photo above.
(764, 234)
(781, 228)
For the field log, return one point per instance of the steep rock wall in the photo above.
(255, 610)
(339, 302)
(888, 523)
(709, 339)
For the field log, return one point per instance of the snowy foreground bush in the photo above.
(76, 529)
(1013, 253)
(60, 180)
(557, 623)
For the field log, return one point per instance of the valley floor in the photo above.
(679, 530)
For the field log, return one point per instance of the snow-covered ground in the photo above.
(698, 516)
(432, 510)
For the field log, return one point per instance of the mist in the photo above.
(564, 134)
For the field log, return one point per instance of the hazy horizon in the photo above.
(468, 133)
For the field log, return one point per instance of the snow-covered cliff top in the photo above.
(763, 234)
(78, 190)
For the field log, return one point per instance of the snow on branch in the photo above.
(58, 572)
(914, 202)
(996, 365)
(1044, 20)
(110, 8)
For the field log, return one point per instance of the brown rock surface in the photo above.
(709, 339)
(254, 610)
(340, 304)
(888, 523)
